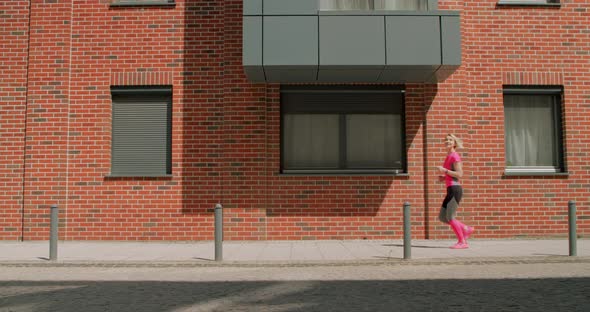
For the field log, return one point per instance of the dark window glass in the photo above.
(342, 129)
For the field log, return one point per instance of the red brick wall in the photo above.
(525, 45)
(14, 31)
(226, 131)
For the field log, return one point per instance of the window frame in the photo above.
(430, 6)
(122, 94)
(132, 3)
(557, 98)
(551, 3)
(399, 90)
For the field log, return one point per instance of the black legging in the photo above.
(448, 210)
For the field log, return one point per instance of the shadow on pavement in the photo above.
(554, 294)
(417, 246)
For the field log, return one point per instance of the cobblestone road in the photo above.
(488, 287)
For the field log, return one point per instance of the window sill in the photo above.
(130, 3)
(528, 3)
(148, 176)
(524, 173)
(396, 173)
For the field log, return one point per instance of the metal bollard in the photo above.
(571, 207)
(53, 233)
(218, 232)
(407, 232)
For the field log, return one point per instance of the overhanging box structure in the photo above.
(307, 119)
(294, 41)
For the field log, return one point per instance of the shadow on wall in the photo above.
(203, 101)
(231, 135)
(350, 195)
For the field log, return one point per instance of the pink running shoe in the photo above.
(467, 231)
(460, 246)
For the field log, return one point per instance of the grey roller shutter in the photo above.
(141, 134)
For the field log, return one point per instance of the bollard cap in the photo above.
(218, 206)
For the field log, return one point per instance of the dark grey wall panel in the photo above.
(408, 74)
(290, 7)
(255, 73)
(352, 40)
(451, 40)
(252, 41)
(287, 75)
(413, 40)
(290, 40)
(252, 7)
(349, 75)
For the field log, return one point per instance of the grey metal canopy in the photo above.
(287, 41)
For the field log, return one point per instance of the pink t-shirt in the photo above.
(451, 159)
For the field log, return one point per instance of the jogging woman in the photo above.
(452, 172)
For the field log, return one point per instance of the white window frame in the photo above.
(557, 93)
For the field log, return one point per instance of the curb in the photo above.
(264, 264)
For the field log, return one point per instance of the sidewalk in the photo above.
(290, 252)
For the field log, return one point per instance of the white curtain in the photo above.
(311, 141)
(411, 5)
(346, 5)
(337, 5)
(530, 132)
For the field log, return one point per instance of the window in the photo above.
(528, 2)
(532, 123)
(116, 3)
(141, 133)
(342, 129)
(338, 5)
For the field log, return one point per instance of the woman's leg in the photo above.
(456, 193)
(458, 229)
(467, 230)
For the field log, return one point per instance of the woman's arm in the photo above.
(457, 171)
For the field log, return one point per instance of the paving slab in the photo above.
(284, 252)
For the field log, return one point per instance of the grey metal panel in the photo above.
(290, 7)
(252, 41)
(349, 75)
(141, 135)
(255, 73)
(352, 40)
(252, 7)
(413, 40)
(295, 74)
(408, 74)
(290, 40)
(432, 5)
(451, 40)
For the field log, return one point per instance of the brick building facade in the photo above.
(64, 64)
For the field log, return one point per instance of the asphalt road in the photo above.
(486, 287)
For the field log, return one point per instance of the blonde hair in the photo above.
(458, 142)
